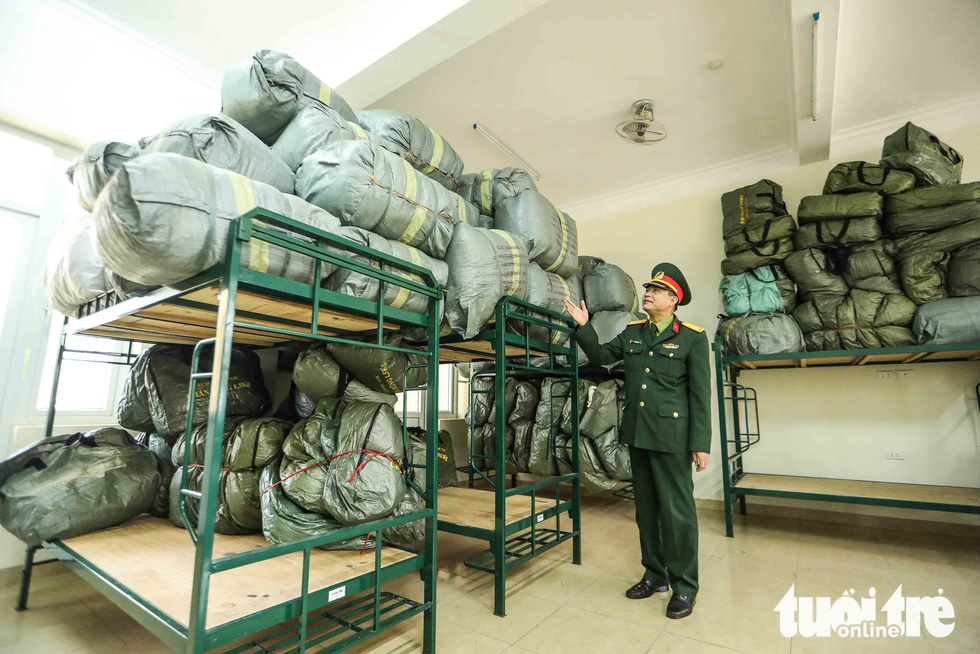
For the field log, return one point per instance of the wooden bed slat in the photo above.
(474, 507)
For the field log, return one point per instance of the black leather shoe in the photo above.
(645, 589)
(680, 606)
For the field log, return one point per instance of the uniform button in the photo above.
(647, 370)
(675, 414)
(644, 386)
(642, 404)
(650, 353)
(671, 354)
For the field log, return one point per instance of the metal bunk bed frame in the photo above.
(514, 537)
(738, 484)
(277, 311)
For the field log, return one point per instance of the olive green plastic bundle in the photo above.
(614, 456)
(837, 233)
(381, 370)
(924, 276)
(920, 152)
(963, 277)
(761, 333)
(607, 287)
(818, 208)
(548, 234)
(870, 320)
(871, 267)
(69, 485)
(815, 273)
(603, 410)
(861, 176)
(492, 186)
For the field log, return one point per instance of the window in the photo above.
(414, 401)
(12, 229)
(83, 386)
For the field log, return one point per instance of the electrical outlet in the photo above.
(884, 374)
(905, 374)
(894, 455)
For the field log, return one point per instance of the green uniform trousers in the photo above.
(663, 488)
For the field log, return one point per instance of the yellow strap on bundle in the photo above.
(462, 208)
(485, 191)
(403, 292)
(516, 280)
(636, 302)
(563, 249)
(436, 153)
(358, 130)
(244, 202)
(411, 191)
(325, 93)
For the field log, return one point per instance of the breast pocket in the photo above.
(670, 362)
(633, 356)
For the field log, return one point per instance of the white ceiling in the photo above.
(899, 56)
(555, 83)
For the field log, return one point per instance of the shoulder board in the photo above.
(694, 327)
(636, 322)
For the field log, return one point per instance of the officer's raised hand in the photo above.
(579, 314)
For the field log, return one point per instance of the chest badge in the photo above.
(634, 341)
(671, 346)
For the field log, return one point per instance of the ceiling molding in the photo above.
(936, 118)
(135, 40)
(725, 173)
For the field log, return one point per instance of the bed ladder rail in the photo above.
(185, 492)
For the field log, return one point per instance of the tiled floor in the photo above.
(556, 607)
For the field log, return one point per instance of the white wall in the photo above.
(833, 422)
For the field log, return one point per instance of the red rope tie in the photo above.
(336, 456)
(371, 533)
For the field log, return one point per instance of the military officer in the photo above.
(666, 424)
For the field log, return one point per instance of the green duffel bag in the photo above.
(963, 275)
(860, 176)
(757, 237)
(929, 197)
(72, 484)
(284, 521)
(614, 456)
(239, 508)
(818, 315)
(446, 458)
(814, 272)
(818, 208)
(265, 92)
(870, 267)
(924, 276)
(921, 153)
(756, 257)
(761, 333)
(248, 443)
(751, 206)
(933, 219)
(947, 240)
(837, 232)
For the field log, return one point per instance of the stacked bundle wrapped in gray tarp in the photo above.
(963, 274)
(313, 127)
(603, 409)
(521, 452)
(867, 319)
(541, 459)
(593, 473)
(73, 272)
(126, 289)
(446, 458)
(614, 455)
(73, 484)
(264, 93)
(756, 257)
(368, 187)
(761, 333)
(316, 374)
(860, 176)
(307, 451)
(526, 398)
(382, 370)
(923, 276)
(837, 232)
(818, 208)
(510, 399)
(356, 284)
(871, 267)
(220, 141)
(548, 291)
(554, 393)
(954, 320)
(607, 287)
(751, 206)
(608, 325)
(760, 237)
(817, 320)
(931, 197)
(358, 392)
(946, 240)
(482, 403)
(933, 219)
(492, 186)
(761, 290)
(485, 265)
(548, 234)
(163, 451)
(420, 145)
(921, 153)
(92, 171)
(488, 435)
(814, 272)
(159, 383)
(585, 389)
(164, 217)
(247, 444)
(284, 521)
(239, 509)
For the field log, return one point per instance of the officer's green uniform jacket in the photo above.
(668, 383)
